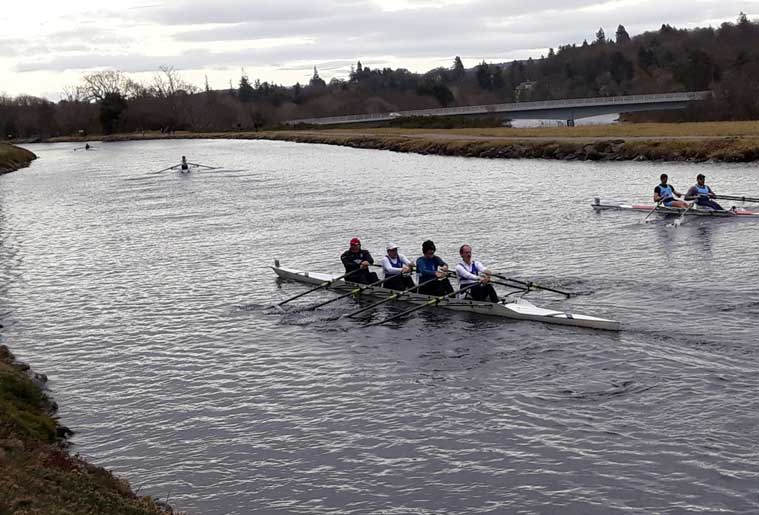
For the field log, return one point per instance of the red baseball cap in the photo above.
(355, 241)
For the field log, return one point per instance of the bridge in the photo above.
(569, 110)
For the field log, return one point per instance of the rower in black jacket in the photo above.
(355, 258)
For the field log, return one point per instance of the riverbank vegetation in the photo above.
(593, 147)
(39, 475)
(723, 60)
(13, 157)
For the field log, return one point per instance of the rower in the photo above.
(355, 258)
(473, 272)
(428, 267)
(666, 193)
(86, 146)
(395, 266)
(184, 166)
(703, 194)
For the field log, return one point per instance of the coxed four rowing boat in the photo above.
(518, 309)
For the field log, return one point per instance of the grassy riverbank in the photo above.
(712, 141)
(39, 476)
(13, 157)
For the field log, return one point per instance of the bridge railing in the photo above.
(514, 106)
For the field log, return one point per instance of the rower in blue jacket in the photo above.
(703, 194)
(428, 267)
(666, 193)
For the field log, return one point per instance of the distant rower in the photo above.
(184, 166)
(703, 194)
(666, 193)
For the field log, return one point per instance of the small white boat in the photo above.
(519, 308)
(694, 211)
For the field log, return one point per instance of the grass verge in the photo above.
(39, 476)
(13, 157)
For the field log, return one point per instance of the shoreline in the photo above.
(13, 158)
(730, 142)
(39, 473)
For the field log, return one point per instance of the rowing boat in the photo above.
(518, 309)
(694, 211)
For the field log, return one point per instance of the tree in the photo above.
(245, 91)
(600, 37)
(458, 69)
(111, 107)
(98, 85)
(622, 35)
(620, 68)
(316, 81)
(484, 78)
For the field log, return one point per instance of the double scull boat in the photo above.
(518, 309)
(694, 211)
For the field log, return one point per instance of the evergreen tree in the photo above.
(316, 81)
(458, 68)
(245, 92)
(600, 37)
(622, 35)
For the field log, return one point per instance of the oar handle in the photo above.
(359, 289)
(323, 285)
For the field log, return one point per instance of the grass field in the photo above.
(622, 130)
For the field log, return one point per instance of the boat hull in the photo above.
(695, 211)
(519, 309)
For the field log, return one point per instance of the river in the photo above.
(145, 299)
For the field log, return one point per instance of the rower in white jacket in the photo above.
(396, 266)
(473, 272)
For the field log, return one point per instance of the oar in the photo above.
(325, 284)
(202, 166)
(390, 297)
(651, 212)
(679, 221)
(531, 284)
(434, 300)
(740, 199)
(510, 285)
(169, 168)
(352, 292)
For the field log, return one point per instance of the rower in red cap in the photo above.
(355, 258)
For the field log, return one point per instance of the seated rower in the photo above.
(703, 194)
(184, 166)
(474, 272)
(396, 266)
(428, 267)
(355, 258)
(666, 193)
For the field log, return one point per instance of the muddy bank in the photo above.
(12, 158)
(39, 475)
(674, 145)
(665, 149)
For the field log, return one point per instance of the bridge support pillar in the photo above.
(570, 123)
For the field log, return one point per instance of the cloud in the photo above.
(293, 35)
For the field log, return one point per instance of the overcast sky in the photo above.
(48, 45)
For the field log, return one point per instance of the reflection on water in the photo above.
(145, 298)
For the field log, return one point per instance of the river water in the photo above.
(144, 298)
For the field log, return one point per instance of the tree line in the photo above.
(724, 60)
